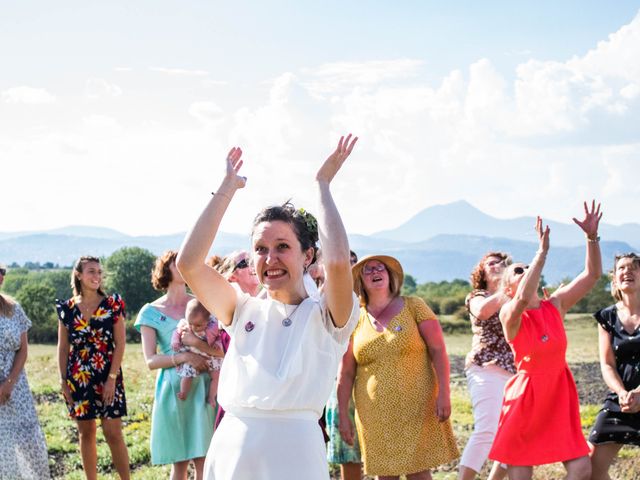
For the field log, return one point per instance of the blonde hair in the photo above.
(615, 291)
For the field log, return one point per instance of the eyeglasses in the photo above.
(3, 271)
(242, 264)
(520, 270)
(367, 270)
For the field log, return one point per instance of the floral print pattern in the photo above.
(23, 453)
(488, 346)
(91, 351)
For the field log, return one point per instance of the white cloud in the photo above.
(99, 88)
(206, 112)
(180, 72)
(27, 95)
(335, 77)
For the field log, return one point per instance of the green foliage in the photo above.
(128, 273)
(409, 285)
(37, 301)
(597, 298)
(444, 297)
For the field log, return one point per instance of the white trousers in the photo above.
(486, 387)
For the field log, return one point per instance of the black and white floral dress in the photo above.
(23, 453)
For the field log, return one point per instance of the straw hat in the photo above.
(393, 267)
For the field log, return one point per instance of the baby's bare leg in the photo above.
(185, 386)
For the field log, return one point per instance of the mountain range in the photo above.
(442, 242)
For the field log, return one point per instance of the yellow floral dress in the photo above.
(395, 394)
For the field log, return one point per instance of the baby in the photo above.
(199, 322)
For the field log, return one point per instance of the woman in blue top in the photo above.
(181, 430)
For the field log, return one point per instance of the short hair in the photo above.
(635, 259)
(76, 286)
(161, 275)
(478, 278)
(304, 225)
(195, 308)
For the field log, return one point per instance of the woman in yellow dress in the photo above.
(398, 370)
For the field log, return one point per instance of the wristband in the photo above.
(222, 194)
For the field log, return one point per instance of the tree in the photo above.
(129, 274)
(409, 285)
(37, 301)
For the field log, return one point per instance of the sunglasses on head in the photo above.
(3, 271)
(520, 270)
(367, 270)
(241, 264)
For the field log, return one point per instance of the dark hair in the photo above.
(478, 278)
(161, 275)
(615, 292)
(76, 286)
(304, 225)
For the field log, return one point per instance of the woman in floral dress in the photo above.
(23, 453)
(91, 340)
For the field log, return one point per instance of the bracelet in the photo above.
(173, 360)
(222, 194)
(113, 376)
(8, 380)
(593, 240)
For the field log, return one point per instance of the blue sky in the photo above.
(119, 113)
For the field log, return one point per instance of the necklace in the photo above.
(377, 323)
(286, 321)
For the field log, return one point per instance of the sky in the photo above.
(119, 114)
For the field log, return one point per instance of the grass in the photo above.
(61, 436)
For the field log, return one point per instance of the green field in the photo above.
(61, 435)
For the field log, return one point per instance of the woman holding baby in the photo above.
(181, 429)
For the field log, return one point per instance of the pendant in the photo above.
(249, 326)
(544, 337)
(286, 322)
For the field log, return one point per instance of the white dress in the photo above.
(274, 383)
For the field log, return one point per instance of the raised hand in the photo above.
(591, 220)
(234, 163)
(332, 164)
(543, 235)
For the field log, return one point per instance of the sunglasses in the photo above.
(367, 270)
(520, 270)
(3, 271)
(242, 264)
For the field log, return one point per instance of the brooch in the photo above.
(249, 326)
(397, 328)
(544, 337)
(162, 318)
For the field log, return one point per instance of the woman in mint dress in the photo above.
(181, 430)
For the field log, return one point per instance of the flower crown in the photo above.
(310, 221)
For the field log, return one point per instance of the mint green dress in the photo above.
(180, 429)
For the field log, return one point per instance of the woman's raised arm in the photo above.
(566, 297)
(211, 288)
(511, 312)
(338, 286)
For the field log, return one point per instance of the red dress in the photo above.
(540, 419)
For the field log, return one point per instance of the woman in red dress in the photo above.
(540, 419)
